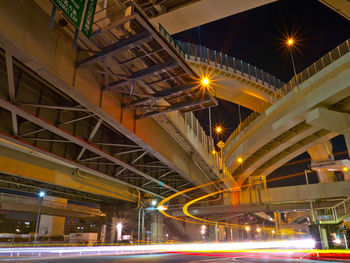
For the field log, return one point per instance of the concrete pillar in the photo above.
(324, 238)
(216, 230)
(321, 153)
(111, 223)
(156, 227)
(278, 221)
(52, 225)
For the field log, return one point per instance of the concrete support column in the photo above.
(319, 234)
(324, 238)
(156, 227)
(52, 225)
(111, 223)
(278, 221)
(322, 153)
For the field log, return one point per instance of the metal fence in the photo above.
(335, 213)
(221, 60)
(206, 141)
(229, 63)
(294, 83)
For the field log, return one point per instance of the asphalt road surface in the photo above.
(156, 258)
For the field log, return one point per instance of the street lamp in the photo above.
(119, 231)
(290, 44)
(154, 202)
(41, 196)
(240, 160)
(247, 228)
(218, 129)
(205, 81)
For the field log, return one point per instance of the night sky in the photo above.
(257, 37)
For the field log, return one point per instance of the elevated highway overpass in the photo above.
(283, 199)
(302, 118)
(58, 118)
(82, 111)
(9, 202)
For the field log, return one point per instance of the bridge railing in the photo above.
(293, 84)
(205, 141)
(224, 61)
(335, 213)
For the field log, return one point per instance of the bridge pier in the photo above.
(322, 153)
(52, 225)
(156, 227)
(110, 223)
(319, 234)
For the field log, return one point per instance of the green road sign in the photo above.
(79, 12)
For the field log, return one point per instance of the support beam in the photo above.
(173, 91)
(329, 120)
(175, 107)
(133, 162)
(78, 141)
(12, 91)
(91, 136)
(203, 12)
(322, 153)
(116, 48)
(53, 107)
(144, 73)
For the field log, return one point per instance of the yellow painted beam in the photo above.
(31, 167)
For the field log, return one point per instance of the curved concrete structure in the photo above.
(233, 79)
(293, 124)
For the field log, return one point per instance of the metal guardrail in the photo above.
(334, 214)
(206, 141)
(301, 77)
(206, 55)
(48, 203)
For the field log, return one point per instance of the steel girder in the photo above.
(48, 120)
(137, 60)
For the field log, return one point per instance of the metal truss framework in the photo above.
(37, 114)
(137, 60)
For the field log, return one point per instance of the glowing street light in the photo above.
(154, 202)
(258, 230)
(240, 160)
(290, 44)
(247, 228)
(218, 129)
(119, 231)
(273, 232)
(213, 151)
(205, 81)
(41, 196)
(290, 41)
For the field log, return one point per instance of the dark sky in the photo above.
(257, 36)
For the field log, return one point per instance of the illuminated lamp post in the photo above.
(41, 196)
(290, 43)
